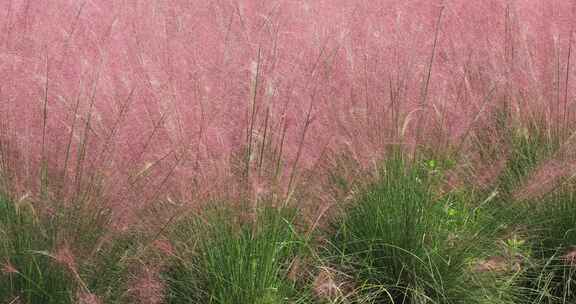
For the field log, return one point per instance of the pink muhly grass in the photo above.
(8, 268)
(331, 285)
(88, 298)
(547, 177)
(131, 103)
(550, 174)
(570, 257)
(147, 287)
(65, 257)
(164, 246)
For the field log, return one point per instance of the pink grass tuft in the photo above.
(147, 287)
(164, 246)
(88, 298)
(570, 257)
(66, 258)
(8, 268)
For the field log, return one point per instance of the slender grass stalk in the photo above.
(307, 123)
(566, 115)
(424, 92)
(44, 161)
(255, 108)
(69, 145)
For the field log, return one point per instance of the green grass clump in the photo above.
(547, 222)
(552, 220)
(23, 245)
(226, 261)
(402, 242)
(527, 150)
(106, 273)
(29, 242)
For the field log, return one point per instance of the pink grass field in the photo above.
(142, 101)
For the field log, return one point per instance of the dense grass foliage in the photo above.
(29, 273)
(401, 236)
(222, 260)
(38, 266)
(403, 243)
(425, 148)
(142, 99)
(552, 220)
